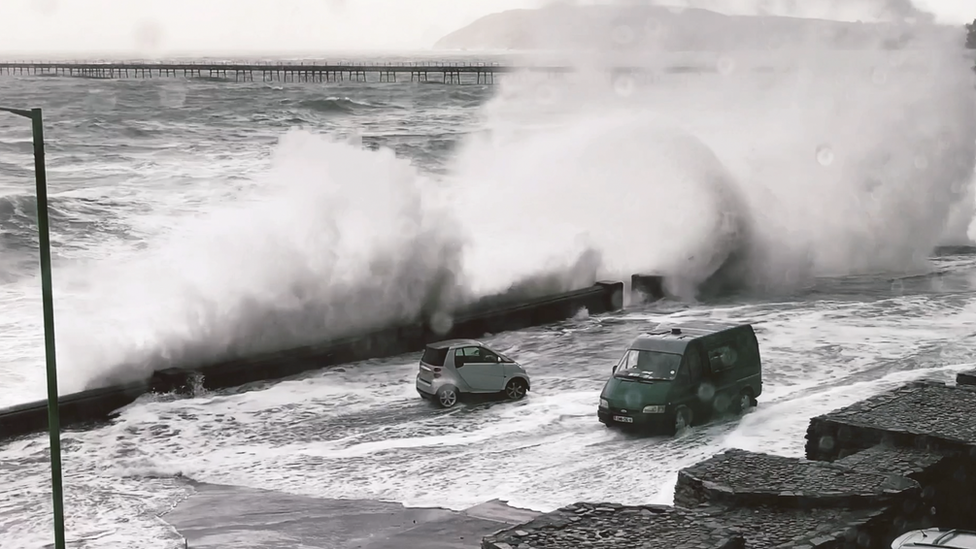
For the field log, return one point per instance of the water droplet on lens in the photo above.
(624, 85)
(623, 34)
(898, 287)
(148, 36)
(944, 142)
(721, 403)
(441, 323)
(100, 99)
(726, 65)
(825, 155)
(879, 76)
(172, 96)
(921, 162)
(545, 94)
(826, 443)
(652, 27)
(960, 188)
(729, 225)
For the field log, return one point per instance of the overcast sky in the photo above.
(246, 26)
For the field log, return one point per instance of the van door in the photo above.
(723, 362)
(693, 373)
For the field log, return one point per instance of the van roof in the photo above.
(454, 343)
(674, 337)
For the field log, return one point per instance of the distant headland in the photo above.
(603, 27)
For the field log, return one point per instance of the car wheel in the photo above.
(447, 396)
(682, 419)
(744, 401)
(516, 389)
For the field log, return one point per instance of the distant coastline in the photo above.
(605, 27)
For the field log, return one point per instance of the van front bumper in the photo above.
(634, 419)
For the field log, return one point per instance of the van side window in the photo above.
(722, 358)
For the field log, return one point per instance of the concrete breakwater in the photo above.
(490, 315)
(901, 460)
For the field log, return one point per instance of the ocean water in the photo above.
(194, 219)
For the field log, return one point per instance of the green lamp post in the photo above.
(47, 294)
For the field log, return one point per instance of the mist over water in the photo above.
(831, 161)
(761, 168)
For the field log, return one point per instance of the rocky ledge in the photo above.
(924, 415)
(611, 526)
(739, 478)
(901, 460)
(966, 378)
(910, 463)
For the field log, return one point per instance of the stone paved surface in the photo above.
(612, 526)
(906, 462)
(966, 378)
(921, 414)
(739, 477)
(766, 527)
(608, 526)
(219, 517)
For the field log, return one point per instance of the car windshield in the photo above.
(648, 365)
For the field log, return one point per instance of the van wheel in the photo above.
(744, 401)
(516, 389)
(682, 419)
(447, 396)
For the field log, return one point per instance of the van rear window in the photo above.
(435, 357)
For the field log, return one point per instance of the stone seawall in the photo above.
(901, 460)
(511, 311)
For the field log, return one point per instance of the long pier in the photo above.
(449, 73)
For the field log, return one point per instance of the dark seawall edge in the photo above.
(474, 321)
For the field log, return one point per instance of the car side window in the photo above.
(458, 358)
(474, 355)
(466, 355)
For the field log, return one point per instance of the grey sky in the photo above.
(243, 26)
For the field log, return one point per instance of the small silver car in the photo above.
(454, 367)
(936, 538)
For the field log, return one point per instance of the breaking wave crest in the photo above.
(831, 163)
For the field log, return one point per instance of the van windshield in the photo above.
(648, 365)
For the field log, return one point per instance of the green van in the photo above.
(677, 376)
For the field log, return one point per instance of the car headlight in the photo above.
(604, 403)
(656, 409)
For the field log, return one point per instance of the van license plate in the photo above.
(623, 419)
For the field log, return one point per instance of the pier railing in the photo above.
(419, 71)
